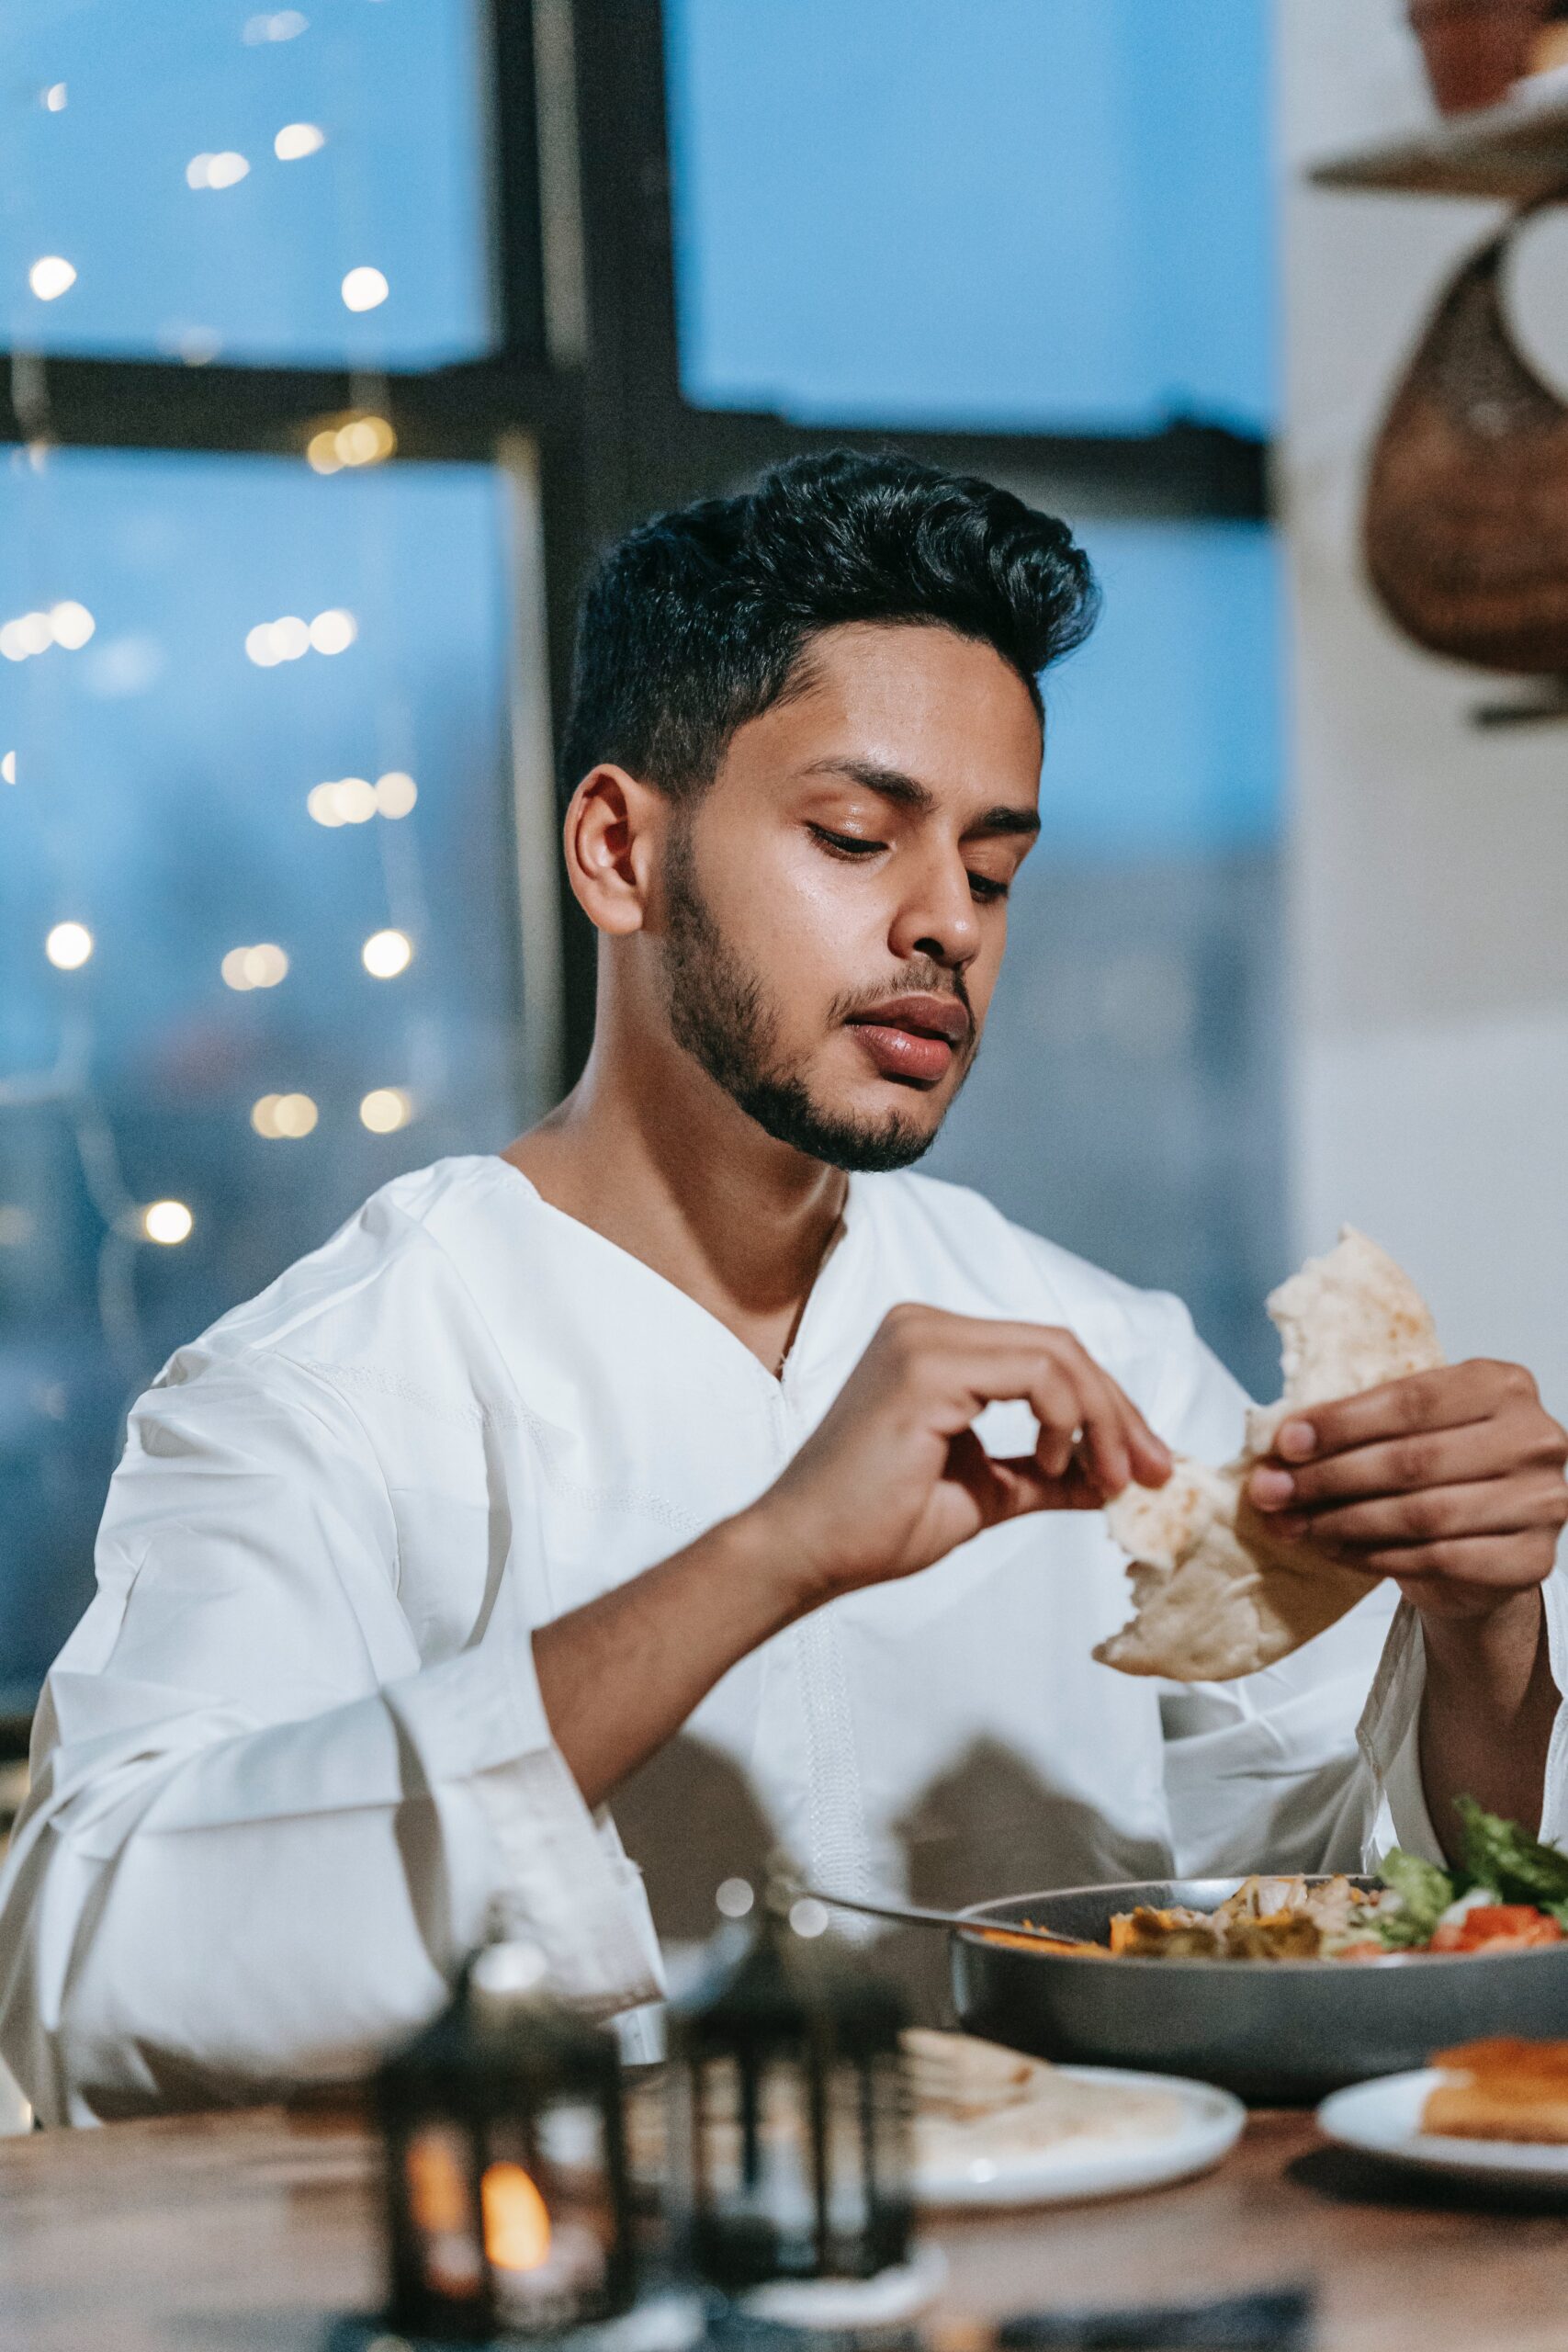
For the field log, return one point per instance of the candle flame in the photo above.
(516, 2225)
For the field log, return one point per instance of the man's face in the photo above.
(835, 905)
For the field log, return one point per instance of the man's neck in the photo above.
(648, 1151)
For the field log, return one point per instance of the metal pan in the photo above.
(1278, 2033)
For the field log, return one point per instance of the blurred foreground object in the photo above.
(507, 2204)
(790, 2122)
(1474, 50)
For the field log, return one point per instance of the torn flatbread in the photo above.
(1217, 1594)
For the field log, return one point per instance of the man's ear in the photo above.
(610, 838)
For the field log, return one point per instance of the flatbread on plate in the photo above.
(1217, 1594)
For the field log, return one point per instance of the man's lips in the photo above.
(913, 1037)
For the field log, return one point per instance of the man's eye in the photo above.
(845, 844)
(985, 887)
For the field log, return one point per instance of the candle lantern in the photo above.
(789, 2110)
(508, 2211)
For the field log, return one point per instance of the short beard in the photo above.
(718, 1015)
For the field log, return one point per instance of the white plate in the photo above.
(1384, 2118)
(1208, 2127)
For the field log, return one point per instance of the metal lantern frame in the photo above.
(789, 2092)
(465, 2111)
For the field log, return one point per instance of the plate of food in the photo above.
(1489, 2110)
(1281, 1988)
(993, 2127)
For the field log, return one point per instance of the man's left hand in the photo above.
(1451, 1482)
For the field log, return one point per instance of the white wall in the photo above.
(1430, 949)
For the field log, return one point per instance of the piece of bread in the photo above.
(1501, 2090)
(1216, 1592)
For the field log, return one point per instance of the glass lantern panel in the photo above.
(441, 2207)
(548, 2222)
(757, 2209)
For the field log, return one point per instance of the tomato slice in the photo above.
(1490, 1925)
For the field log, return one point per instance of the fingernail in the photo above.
(1272, 1489)
(1296, 1440)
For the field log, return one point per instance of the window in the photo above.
(258, 908)
(1046, 215)
(246, 182)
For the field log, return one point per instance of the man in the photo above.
(691, 1408)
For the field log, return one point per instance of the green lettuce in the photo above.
(1424, 1892)
(1509, 1862)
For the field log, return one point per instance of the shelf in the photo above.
(1517, 150)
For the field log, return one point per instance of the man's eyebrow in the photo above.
(908, 792)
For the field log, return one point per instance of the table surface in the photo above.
(208, 2234)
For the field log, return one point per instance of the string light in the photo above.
(363, 289)
(333, 632)
(395, 793)
(53, 276)
(297, 138)
(71, 625)
(68, 624)
(226, 169)
(69, 945)
(8, 768)
(286, 641)
(168, 1222)
(386, 954)
(284, 1119)
(254, 968)
(361, 439)
(385, 1109)
(53, 100)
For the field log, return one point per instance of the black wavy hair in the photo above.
(698, 620)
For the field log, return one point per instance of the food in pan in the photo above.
(1508, 1893)
(1216, 1592)
(1500, 2089)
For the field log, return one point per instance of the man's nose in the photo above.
(937, 916)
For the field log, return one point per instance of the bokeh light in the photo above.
(385, 1109)
(50, 276)
(386, 954)
(396, 792)
(284, 1119)
(71, 624)
(255, 967)
(297, 138)
(365, 290)
(68, 947)
(226, 169)
(167, 1222)
(333, 632)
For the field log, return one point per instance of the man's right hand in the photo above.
(894, 1476)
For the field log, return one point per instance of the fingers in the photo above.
(1403, 1465)
(1533, 1501)
(961, 1363)
(1450, 1398)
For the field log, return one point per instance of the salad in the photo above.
(1507, 1892)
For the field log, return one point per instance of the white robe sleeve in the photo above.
(261, 1835)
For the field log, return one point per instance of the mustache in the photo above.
(923, 978)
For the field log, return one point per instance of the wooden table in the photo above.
(214, 2234)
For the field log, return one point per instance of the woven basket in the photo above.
(1465, 532)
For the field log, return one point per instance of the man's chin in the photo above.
(863, 1141)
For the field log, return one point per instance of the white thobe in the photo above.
(295, 1754)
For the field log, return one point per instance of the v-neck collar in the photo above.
(844, 1249)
